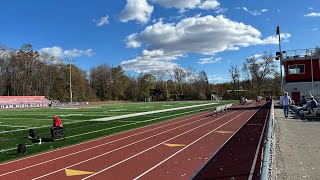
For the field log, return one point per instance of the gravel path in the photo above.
(297, 147)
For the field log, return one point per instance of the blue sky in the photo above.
(149, 35)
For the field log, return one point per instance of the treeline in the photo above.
(26, 72)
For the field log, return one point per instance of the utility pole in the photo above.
(70, 87)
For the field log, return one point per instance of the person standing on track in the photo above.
(285, 103)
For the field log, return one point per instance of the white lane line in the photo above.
(81, 162)
(185, 147)
(96, 146)
(100, 137)
(161, 144)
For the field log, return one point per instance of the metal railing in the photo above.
(301, 53)
(267, 166)
(315, 92)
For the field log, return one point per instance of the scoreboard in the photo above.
(156, 92)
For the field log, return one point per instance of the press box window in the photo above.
(296, 69)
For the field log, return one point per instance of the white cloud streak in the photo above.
(254, 12)
(102, 21)
(209, 60)
(58, 52)
(313, 14)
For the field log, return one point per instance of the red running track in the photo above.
(137, 154)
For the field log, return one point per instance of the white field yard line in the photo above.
(106, 144)
(148, 112)
(165, 142)
(100, 131)
(182, 148)
(136, 143)
(12, 126)
(126, 121)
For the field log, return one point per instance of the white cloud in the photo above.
(189, 4)
(209, 4)
(274, 39)
(131, 41)
(198, 34)
(206, 35)
(58, 52)
(221, 10)
(150, 61)
(215, 78)
(138, 10)
(102, 21)
(313, 14)
(209, 60)
(314, 29)
(54, 51)
(144, 64)
(254, 12)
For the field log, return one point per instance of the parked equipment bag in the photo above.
(21, 149)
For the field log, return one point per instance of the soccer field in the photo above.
(83, 123)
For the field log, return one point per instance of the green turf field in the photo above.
(80, 123)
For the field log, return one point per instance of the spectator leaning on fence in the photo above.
(285, 103)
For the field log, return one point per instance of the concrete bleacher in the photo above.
(12, 102)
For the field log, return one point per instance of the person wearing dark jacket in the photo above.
(303, 101)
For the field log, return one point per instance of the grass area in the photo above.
(14, 124)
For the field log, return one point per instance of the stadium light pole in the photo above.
(70, 87)
(278, 33)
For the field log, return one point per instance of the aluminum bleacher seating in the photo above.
(10, 102)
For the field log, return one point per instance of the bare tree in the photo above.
(179, 75)
(235, 76)
(260, 69)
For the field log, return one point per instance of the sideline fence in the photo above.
(268, 161)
